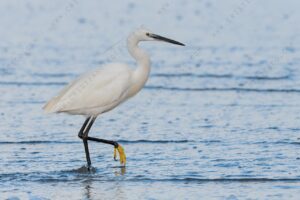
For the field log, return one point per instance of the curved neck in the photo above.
(141, 73)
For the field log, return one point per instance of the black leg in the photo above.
(114, 143)
(80, 134)
(83, 134)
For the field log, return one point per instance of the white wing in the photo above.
(100, 89)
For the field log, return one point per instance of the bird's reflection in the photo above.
(88, 189)
(120, 171)
(91, 192)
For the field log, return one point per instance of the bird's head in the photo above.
(143, 34)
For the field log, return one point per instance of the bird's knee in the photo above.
(82, 136)
(115, 144)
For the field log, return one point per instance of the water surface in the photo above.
(218, 119)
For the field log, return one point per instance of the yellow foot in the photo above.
(122, 155)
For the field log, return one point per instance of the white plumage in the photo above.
(101, 90)
(95, 92)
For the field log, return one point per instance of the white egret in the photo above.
(103, 89)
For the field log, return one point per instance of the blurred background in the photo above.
(218, 118)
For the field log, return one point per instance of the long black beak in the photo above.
(161, 38)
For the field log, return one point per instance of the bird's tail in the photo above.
(51, 106)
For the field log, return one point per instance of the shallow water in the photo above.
(218, 119)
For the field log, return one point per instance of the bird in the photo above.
(103, 89)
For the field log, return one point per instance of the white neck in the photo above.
(141, 73)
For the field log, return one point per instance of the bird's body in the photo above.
(94, 92)
(103, 89)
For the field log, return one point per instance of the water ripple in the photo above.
(121, 141)
(204, 180)
(23, 83)
(157, 141)
(33, 142)
(36, 142)
(229, 89)
(65, 176)
(223, 76)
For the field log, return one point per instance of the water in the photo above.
(218, 119)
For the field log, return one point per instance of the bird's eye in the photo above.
(148, 34)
